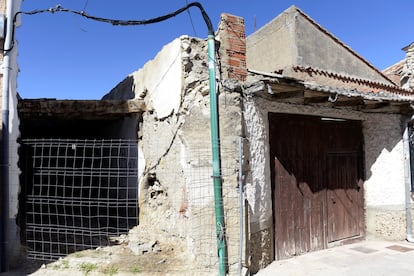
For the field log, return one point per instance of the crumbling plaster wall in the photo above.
(179, 157)
(384, 170)
(176, 189)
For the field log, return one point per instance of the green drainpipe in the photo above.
(215, 148)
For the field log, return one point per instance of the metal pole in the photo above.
(408, 182)
(215, 147)
(241, 203)
(4, 231)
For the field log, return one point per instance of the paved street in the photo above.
(363, 258)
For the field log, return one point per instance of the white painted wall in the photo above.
(162, 74)
(385, 161)
(258, 185)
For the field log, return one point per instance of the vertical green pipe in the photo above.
(215, 147)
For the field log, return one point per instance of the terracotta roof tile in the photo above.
(394, 72)
(333, 79)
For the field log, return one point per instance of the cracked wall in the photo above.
(176, 189)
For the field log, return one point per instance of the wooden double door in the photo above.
(316, 180)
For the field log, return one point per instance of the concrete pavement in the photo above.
(363, 258)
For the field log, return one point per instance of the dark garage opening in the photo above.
(78, 182)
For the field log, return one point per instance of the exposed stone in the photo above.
(407, 72)
(145, 247)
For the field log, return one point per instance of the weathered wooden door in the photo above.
(315, 197)
(343, 196)
(344, 184)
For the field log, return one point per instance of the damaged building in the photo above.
(315, 137)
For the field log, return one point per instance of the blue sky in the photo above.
(65, 56)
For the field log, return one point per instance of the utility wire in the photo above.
(117, 22)
(191, 19)
(86, 3)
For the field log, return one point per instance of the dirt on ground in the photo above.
(130, 256)
(113, 260)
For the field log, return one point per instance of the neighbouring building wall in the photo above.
(317, 48)
(293, 38)
(407, 73)
(384, 170)
(394, 71)
(272, 47)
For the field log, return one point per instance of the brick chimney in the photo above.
(232, 36)
(407, 74)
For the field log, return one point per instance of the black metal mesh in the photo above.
(78, 193)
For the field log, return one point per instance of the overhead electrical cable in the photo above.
(86, 3)
(116, 22)
(191, 19)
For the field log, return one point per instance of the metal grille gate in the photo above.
(76, 194)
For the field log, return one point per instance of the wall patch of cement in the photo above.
(276, 40)
(386, 222)
(257, 187)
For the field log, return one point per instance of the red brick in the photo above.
(233, 62)
(233, 46)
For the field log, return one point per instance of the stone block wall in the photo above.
(407, 74)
